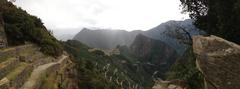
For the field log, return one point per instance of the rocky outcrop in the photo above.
(219, 61)
(173, 84)
(155, 55)
(154, 51)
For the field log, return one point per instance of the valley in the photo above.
(172, 55)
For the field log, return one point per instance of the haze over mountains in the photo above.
(108, 39)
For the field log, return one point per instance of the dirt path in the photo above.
(37, 72)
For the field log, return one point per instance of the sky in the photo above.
(128, 15)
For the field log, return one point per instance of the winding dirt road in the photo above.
(37, 74)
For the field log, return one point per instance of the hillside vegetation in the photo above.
(20, 27)
(99, 71)
(185, 69)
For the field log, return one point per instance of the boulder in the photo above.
(219, 61)
(172, 84)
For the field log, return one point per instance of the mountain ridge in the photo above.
(88, 36)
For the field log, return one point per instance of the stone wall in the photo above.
(22, 77)
(7, 67)
(15, 51)
(60, 74)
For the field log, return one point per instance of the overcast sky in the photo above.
(114, 14)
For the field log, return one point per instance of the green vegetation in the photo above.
(4, 58)
(92, 66)
(90, 77)
(217, 17)
(20, 27)
(185, 69)
(13, 74)
(99, 52)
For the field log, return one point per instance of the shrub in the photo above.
(20, 27)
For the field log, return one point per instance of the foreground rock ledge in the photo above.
(219, 61)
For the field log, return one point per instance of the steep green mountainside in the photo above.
(185, 68)
(20, 27)
(30, 57)
(107, 72)
(155, 55)
(108, 39)
(135, 66)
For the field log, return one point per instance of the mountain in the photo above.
(155, 55)
(101, 71)
(65, 34)
(105, 39)
(165, 32)
(108, 39)
(21, 27)
(34, 59)
(137, 66)
(153, 51)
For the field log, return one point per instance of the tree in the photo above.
(21, 27)
(181, 34)
(217, 17)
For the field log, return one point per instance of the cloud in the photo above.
(116, 14)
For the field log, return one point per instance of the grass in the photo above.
(5, 63)
(4, 58)
(13, 74)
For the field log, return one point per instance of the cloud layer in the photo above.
(115, 14)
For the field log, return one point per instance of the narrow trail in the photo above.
(37, 73)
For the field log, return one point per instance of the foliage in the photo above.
(185, 69)
(20, 27)
(89, 76)
(181, 34)
(92, 68)
(217, 17)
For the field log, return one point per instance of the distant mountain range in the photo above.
(108, 39)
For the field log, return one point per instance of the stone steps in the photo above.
(7, 66)
(16, 78)
(11, 63)
(16, 67)
(16, 52)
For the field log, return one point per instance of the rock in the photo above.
(173, 84)
(219, 61)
